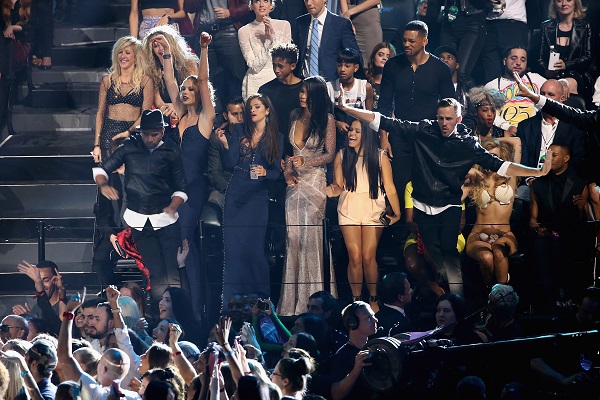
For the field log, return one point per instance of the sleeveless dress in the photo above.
(303, 273)
(245, 217)
(194, 154)
(357, 208)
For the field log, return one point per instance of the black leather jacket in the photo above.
(587, 121)
(580, 56)
(151, 178)
(440, 163)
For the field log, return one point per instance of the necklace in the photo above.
(304, 120)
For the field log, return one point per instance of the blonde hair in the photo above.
(15, 382)
(114, 72)
(578, 12)
(185, 61)
(89, 360)
(477, 185)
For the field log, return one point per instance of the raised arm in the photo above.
(169, 74)
(207, 115)
(134, 22)
(70, 366)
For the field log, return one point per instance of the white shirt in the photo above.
(92, 390)
(548, 132)
(515, 9)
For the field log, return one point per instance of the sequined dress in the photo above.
(303, 273)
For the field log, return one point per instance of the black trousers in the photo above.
(439, 234)
(501, 33)
(159, 254)
(467, 35)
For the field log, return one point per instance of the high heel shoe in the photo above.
(356, 298)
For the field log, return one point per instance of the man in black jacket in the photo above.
(155, 186)
(443, 154)
(395, 294)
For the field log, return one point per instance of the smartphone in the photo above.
(554, 57)
(263, 305)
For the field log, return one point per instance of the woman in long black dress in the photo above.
(254, 151)
(193, 100)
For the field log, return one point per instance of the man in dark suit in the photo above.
(540, 131)
(334, 34)
(395, 294)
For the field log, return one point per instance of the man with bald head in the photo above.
(13, 327)
(540, 131)
(112, 367)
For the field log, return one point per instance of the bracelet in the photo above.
(228, 353)
(248, 373)
(24, 373)
(103, 184)
(68, 315)
(116, 310)
(222, 389)
(177, 353)
(166, 56)
(38, 294)
(96, 145)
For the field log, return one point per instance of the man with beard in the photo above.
(99, 323)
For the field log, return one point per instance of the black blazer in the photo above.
(387, 317)
(530, 132)
(337, 35)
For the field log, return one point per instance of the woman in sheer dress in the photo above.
(256, 41)
(312, 136)
(124, 93)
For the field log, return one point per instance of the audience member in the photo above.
(502, 306)
(41, 361)
(462, 85)
(483, 104)
(152, 198)
(557, 220)
(366, 23)
(226, 62)
(257, 39)
(411, 85)
(323, 305)
(540, 131)
(347, 364)
(285, 88)
(516, 109)
(14, 385)
(395, 295)
(470, 388)
(255, 150)
(464, 28)
(379, 56)
(444, 154)
(49, 288)
(362, 175)
(13, 327)
(291, 375)
(312, 138)
(451, 319)
(570, 35)
(504, 29)
(154, 14)
(88, 359)
(318, 57)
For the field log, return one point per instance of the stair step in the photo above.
(27, 119)
(85, 55)
(16, 283)
(61, 95)
(62, 74)
(47, 200)
(68, 35)
(46, 156)
(26, 230)
(98, 12)
(69, 256)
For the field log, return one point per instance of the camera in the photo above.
(263, 305)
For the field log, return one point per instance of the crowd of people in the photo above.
(282, 119)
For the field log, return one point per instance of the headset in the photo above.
(349, 318)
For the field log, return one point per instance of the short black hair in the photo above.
(418, 26)
(511, 48)
(329, 302)
(392, 286)
(563, 145)
(107, 307)
(92, 303)
(286, 51)
(348, 56)
(234, 101)
(48, 264)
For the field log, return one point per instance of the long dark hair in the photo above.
(370, 149)
(319, 106)
(271, 135)
(372, 70)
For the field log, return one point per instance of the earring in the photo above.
(267, 119)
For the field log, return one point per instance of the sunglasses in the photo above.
(5, 328)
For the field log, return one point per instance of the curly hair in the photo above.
(185, 61)
(114, 72)
(480, 95)
(477, 185)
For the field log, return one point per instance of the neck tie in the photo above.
(314, 49)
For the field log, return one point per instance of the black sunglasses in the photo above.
(5, 328)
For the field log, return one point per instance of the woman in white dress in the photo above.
(256, 41)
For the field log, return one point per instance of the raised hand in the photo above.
(222, 330)
(524, 91)
(57, 280)
(31, 271)
(19, 309)
(182, 253)
(222, 138)
(175, 334)
(112, 294)
(205, 39)
(547, 163)
(75, 301)
(162, 41)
